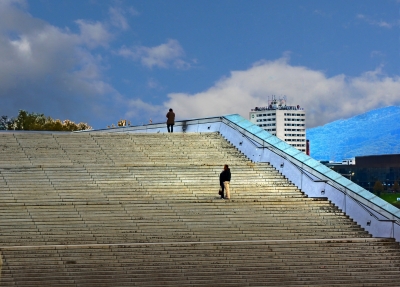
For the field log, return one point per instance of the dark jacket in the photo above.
(225, 176)
(171, 118)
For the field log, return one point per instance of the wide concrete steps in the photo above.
(95, 209)
(103, 220)
(351, 262)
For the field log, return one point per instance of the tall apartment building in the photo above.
(286, 122)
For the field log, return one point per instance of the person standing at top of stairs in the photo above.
(224, 180)
(170, 120)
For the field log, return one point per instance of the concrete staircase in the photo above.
(112, 209)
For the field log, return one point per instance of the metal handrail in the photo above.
(347, 194)
(278, 152)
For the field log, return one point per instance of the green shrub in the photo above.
(39, 122)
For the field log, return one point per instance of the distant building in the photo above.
(286, 122)
(349, 161)
(366, 170)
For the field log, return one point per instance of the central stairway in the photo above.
(107, 209)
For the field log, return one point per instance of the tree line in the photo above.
(379, 188)
(39, 122)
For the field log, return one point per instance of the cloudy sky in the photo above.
(99, 61)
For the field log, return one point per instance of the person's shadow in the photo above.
(184, 126)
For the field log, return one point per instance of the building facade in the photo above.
(367, 170)
(288, 123)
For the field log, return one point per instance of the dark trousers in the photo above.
(172, 128)
(223, 189)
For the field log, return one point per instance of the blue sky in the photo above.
(101, 61)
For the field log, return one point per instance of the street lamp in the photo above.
(350, 174)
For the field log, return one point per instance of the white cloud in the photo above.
(94, 34)
(322, 13)
(153, 84)
(379, 23)
(138, 108)
(163, 56)
(118, 19)
(385, 24)
(23, 46)
(379, 54)
(325, 99)
(7, 3)
(51, 70)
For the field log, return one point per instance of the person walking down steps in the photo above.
(224, 181)
(170, 121)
